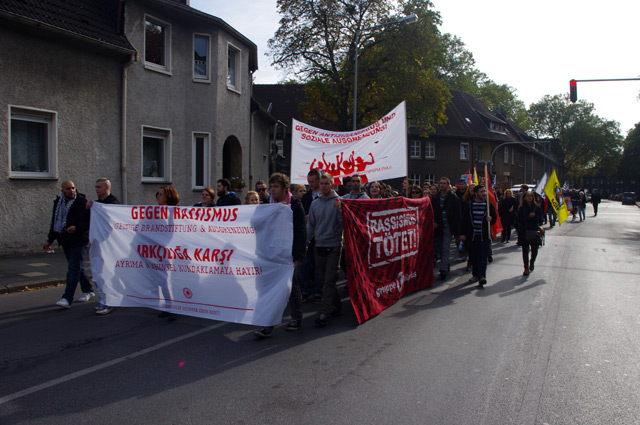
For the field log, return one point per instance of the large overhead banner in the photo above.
(226, 263)
(377, 152)
(389, 250)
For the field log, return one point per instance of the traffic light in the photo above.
(573, 91)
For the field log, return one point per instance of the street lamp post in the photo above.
(409, 19)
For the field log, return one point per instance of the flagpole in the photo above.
(487, 182)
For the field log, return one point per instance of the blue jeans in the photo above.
(75, 271)
(310, 282)
(479, 256)
(581, 213)
(445, 248)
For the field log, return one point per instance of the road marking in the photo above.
(105, 365)
(32, 274)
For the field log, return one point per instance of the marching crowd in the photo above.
(462, 215)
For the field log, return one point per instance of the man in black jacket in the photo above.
(446, 211)
(310, 282)
(225, 197)
(70, 227)
(476, 223)
(279, 188)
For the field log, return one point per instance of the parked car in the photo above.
(628, 198)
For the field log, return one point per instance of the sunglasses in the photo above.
(261, 189)
(415, 191)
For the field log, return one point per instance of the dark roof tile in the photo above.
(92, 19)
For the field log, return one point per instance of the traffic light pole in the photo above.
(573, 85)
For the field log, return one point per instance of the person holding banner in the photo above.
(225, 197)
(325, 225)
(356, 189)
(70, 227)
(167, 195)
(529, 219)
(477, 217)
(103, 190)
(207, 198)
(374, 191)
(279, 189)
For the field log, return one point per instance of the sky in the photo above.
(535, 48)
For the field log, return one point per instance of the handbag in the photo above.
(533, 237)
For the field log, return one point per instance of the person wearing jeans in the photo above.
(70, 227)
(325, 225)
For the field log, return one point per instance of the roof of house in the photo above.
(468, 117)
(97, 20)
(92, 20)
(281, 100)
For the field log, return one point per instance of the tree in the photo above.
(459, 73)
(631, 157)
(586, 142)
(316, 40)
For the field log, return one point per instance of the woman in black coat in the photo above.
(529, 219)
(507, 209)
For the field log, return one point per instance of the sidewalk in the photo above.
(23, 271)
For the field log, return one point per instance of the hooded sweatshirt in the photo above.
(325, 222)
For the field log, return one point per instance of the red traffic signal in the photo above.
(573, 91)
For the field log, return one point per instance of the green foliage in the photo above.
(586, 142)
(316, 40)
(631, 157)
(459, 73)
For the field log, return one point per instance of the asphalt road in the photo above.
(557, 347)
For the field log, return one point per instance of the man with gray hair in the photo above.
(103, 190)
(70, 227)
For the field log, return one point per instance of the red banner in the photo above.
(389, 251)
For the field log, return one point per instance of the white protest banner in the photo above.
(377, 152)
(225, 263)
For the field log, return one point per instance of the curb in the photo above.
(22, 287)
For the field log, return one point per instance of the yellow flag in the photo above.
(475, 175)
(554, 193)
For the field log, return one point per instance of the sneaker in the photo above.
(63, 303)
(86, 297)
(294, 325)
(263, 332)
(322, 321)
(104, 310)
(99, 307)
(473, 279)
(482, 282)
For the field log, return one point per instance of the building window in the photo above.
(429, 178)
(506, 155)
(414, 148)
(201, 57)
(464, 151)
(233, 66)
(156, 155)
(34, 145)
(430, 150)
(200, 161)
(157, 45)
(513, 156)
(415, 179)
